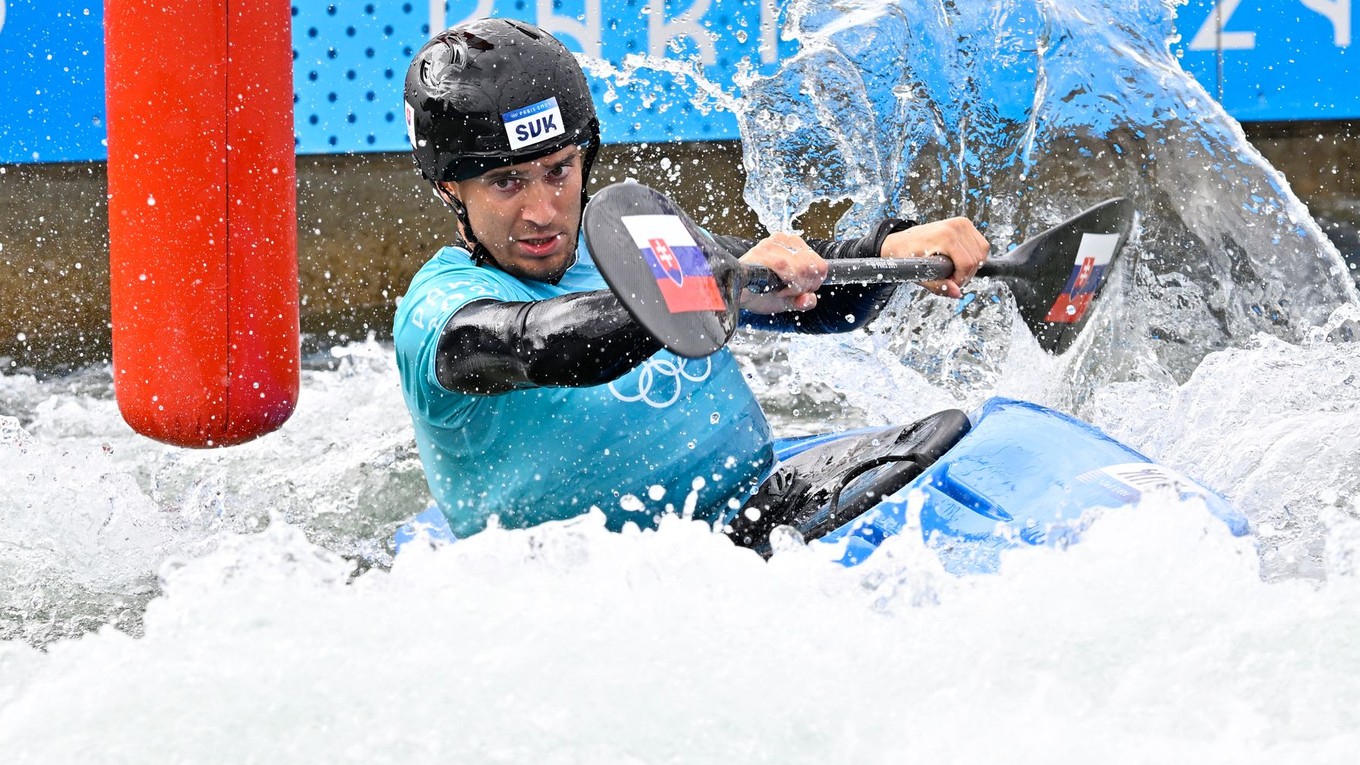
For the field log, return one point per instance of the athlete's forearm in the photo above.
(840, 308)
(577, 340)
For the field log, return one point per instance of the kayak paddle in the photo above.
(682, 286)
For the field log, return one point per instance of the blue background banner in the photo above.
(1269, 60)
(1279, 60)
(51, 80)
(351, 57)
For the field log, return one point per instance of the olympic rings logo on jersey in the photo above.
(660, 381)
(437, 301)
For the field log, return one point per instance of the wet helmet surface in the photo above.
(494, 92)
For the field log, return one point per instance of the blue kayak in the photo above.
(1022, 475)
(1010, 473)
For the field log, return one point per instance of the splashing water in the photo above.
(1020, 113)
(568, 643)
(573, 643)
(253, 610)
(89, 509)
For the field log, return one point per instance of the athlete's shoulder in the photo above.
(450, 280)
(452, 264)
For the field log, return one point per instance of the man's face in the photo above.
(527, 215)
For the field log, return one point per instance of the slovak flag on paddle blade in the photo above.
(681, 270)
(1093, 257)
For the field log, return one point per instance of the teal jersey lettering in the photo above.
(673, 435)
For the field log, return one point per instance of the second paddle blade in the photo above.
(1056, 275)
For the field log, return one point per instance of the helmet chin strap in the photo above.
(466, 239)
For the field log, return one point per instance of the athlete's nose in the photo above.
(540, 203)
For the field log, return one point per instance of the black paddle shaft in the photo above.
(682, 286)
(1113, 216)
(860, 271)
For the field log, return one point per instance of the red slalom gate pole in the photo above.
(202, 217)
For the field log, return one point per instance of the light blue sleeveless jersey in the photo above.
(673, 435)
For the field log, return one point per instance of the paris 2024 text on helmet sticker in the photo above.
(681, 270)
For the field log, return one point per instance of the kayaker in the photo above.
(534, 394)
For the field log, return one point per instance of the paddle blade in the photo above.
(1056, 275)
(669, 273)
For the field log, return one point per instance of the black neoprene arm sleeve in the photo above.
(840, 308)
(589, 338)
(576, 340)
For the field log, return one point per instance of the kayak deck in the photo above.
(1024, 474)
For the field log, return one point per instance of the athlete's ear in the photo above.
(447, 191)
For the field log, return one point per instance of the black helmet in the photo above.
(495, 92)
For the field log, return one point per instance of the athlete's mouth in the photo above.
(543, 245)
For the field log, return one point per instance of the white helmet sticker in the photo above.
(533, 124)
(411, 125)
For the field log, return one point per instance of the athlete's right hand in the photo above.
(954, 238)
(795, 263)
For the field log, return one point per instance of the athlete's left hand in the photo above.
(794, 262)
(955, 238)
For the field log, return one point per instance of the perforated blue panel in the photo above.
(349, 61)
(51, 80)
(350, 58)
